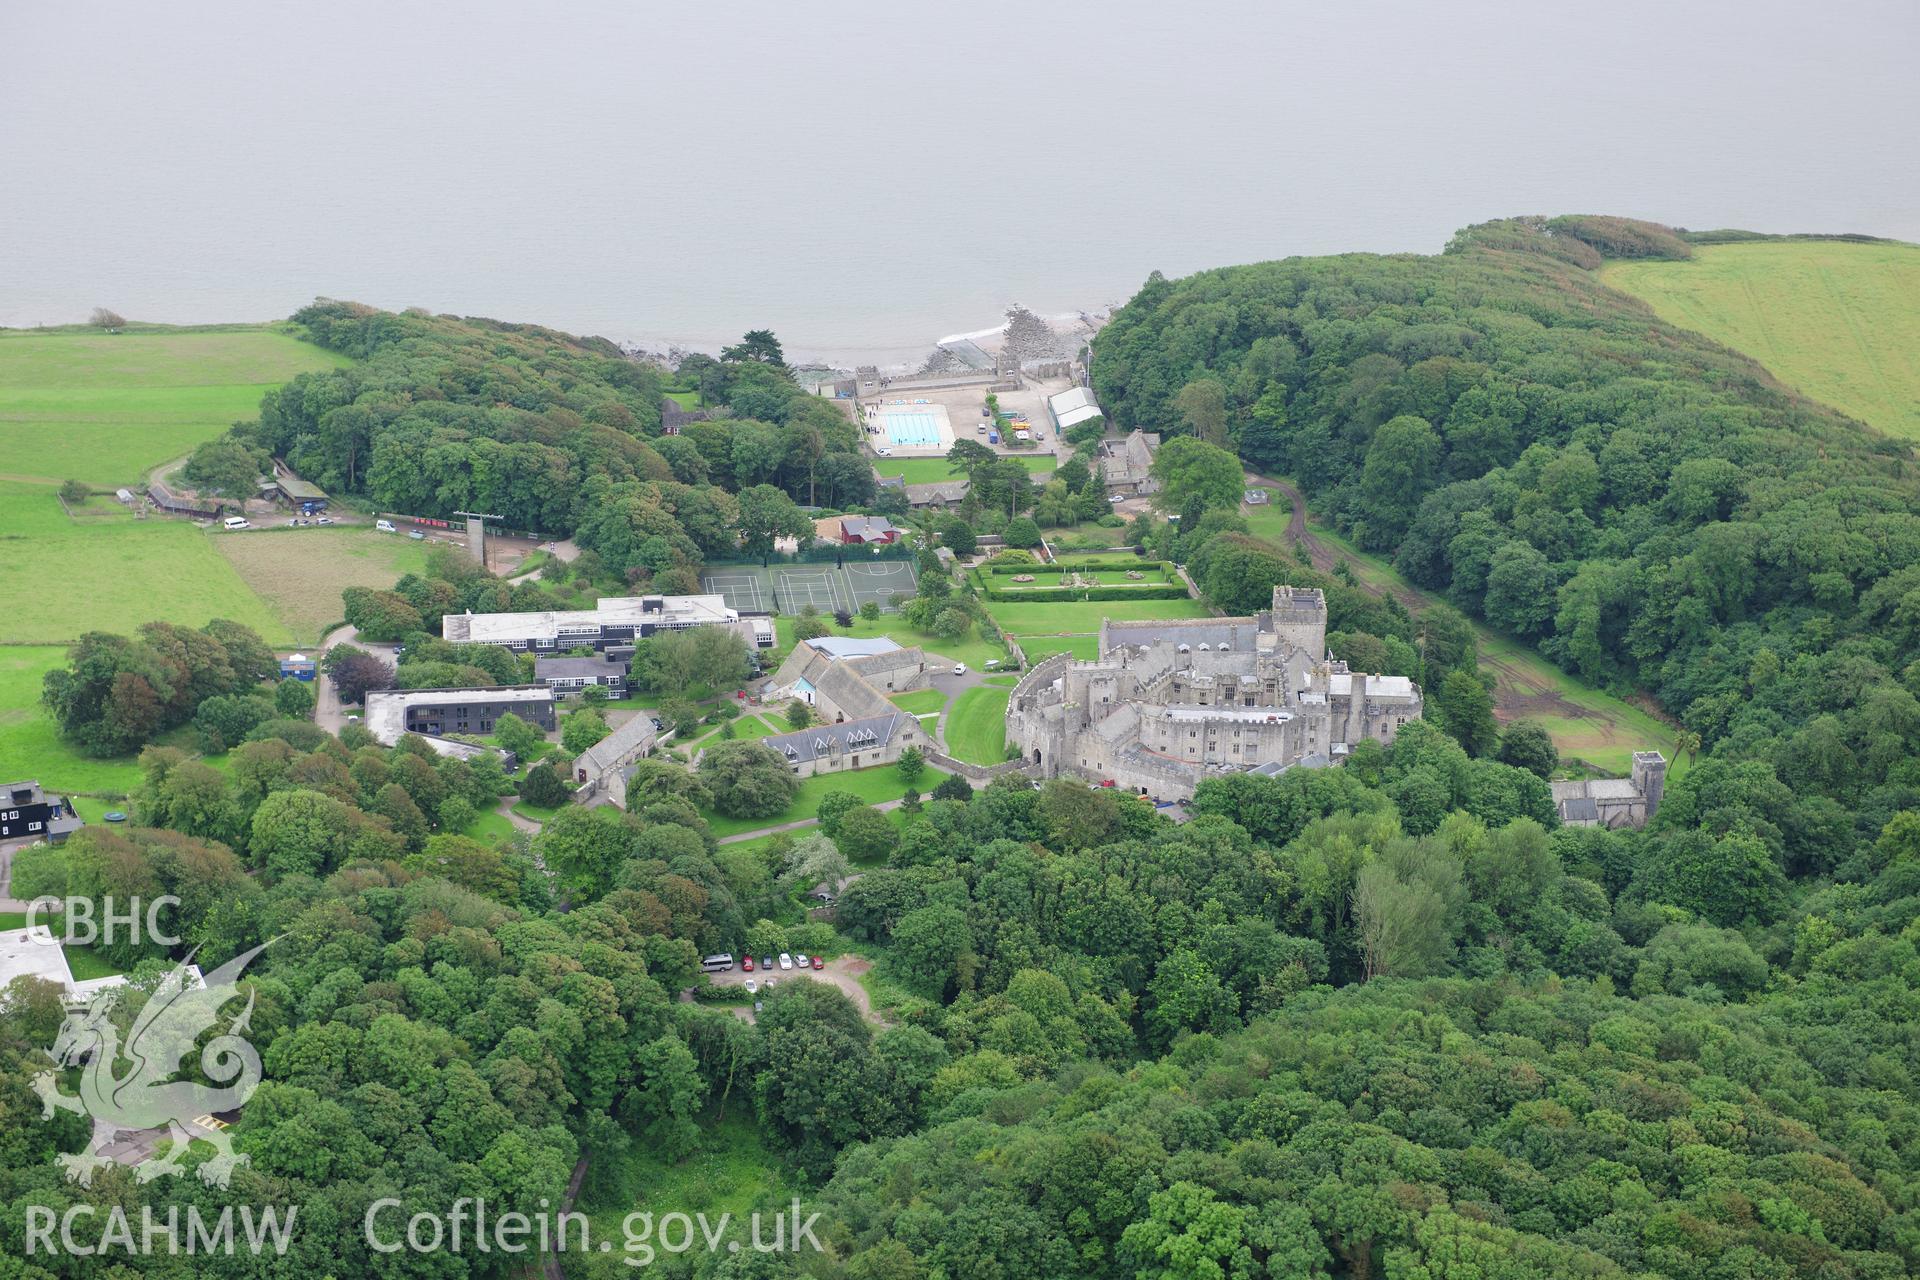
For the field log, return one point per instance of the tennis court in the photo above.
(747, 588)
(789, 588)
(887, 581)
(820, 585)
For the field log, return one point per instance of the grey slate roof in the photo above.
(1579, 809)
(630, 739)
(868, 734)
(868, 527)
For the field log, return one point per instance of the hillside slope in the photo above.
(1645, 507)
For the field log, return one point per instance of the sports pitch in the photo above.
(791, 588)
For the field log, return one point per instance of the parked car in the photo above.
(324, 520)
(884, 452)
(786, 961)
(981, 429)
(385, 526)
(959, 668)
(766, 962)
(236, 523)
(416, 535)
(746, 962)
(799, 961)
(751, 986)
(818, 963)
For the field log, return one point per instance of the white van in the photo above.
(237, 522)
(384, 526)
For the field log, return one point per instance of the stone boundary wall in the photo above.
(974, 772)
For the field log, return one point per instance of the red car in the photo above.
(746, 963)
(817, 963)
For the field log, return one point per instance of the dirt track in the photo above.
(1516, 694)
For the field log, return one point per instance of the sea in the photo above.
(867, 177)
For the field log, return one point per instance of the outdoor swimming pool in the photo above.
(915, 428)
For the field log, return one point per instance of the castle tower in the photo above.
(1649, 778)
(1300, 619)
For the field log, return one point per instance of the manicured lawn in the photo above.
(974, 650)
(489, 826)
(1151, 575)
(685, 399)
(1003, 682)
(1085, 648)
(1083, 618)
(88, 964)
(920, 701)
(977, 726)
(29, 747)
(647, 701)
(106, 408)
(1838, 322)
(114, 575)
(300, 572)
(876, 785)
(745, 729)
(931, 470)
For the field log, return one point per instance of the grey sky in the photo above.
(859, 175)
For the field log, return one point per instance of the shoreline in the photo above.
(1073, 327)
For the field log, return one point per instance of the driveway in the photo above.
(842, 971)
(7, 851)
(328, 711)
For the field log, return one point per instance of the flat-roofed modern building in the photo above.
(607, 670)
(615, 620)
(435, 713)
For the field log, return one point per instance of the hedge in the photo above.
(1041, 595)
(1091, 566)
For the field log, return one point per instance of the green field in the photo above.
(1084, 648)
(977, 726)
(29, 748)
(300, 573)
(932, 470)
(107, 408)
(875, 786)
(1083, 618)
(1838, 322)
(62, 578)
